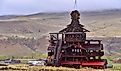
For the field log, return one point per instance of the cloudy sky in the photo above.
(8, 7)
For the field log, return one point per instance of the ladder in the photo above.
(57, 52)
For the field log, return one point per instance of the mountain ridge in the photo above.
(32, 31)
(49, 13)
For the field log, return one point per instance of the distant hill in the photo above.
(105, 23)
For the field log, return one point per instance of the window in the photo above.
(91, 50)
(80, 50)
(76, 50)
(91, 57)
(72, 50)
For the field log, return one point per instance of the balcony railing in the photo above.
(87, 54)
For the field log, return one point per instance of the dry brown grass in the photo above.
(46, 68)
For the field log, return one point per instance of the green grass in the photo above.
(116, 67)
(5, 57)
(35, 55)
(38, 55)
(109, 58)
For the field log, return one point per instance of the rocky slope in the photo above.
(34, 30)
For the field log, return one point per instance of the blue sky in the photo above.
(8, 7)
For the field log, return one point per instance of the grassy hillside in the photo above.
(104, 23)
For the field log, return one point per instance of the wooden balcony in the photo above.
(93, 46)
(83, 54)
